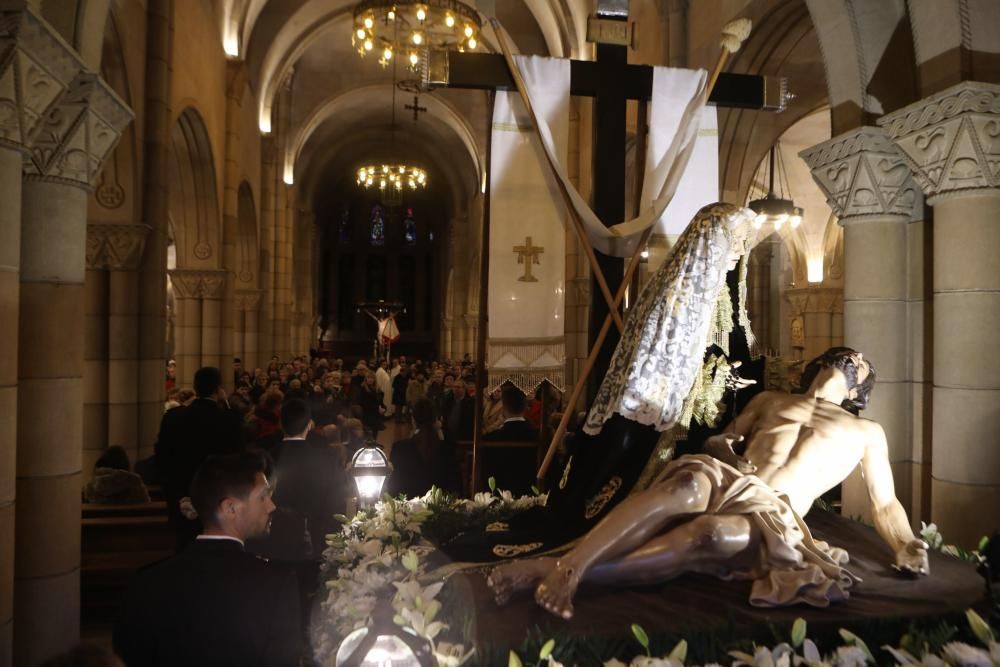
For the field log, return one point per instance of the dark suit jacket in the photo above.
(310, 488)
(513, 431)
(414, 476)
(189, 434)
(458, 417)
(513, 469)
(212, 604)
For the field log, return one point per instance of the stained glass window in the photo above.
(409, 228)
(377, 231)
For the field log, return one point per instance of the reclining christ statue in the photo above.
(737, 517)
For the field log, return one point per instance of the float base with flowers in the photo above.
(385, 565)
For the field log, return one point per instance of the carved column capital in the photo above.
(816, 299)
(77, 133)
(36, 69)
(863, 174)
(115, 247)
(951, 139)
(248, 299)
(198, 283)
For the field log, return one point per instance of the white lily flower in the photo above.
(850, 656)
(966, 656)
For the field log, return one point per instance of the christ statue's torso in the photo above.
(803, 446)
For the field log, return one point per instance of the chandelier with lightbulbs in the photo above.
(776, 206)
(395, 177)
(392, 176)
(408, 29)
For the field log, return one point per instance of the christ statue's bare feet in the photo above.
(556, 591)
(516, 576)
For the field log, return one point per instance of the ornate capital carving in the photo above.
(115, 246)
(36, 69)
(248, 299)
(862, 174)
(952, 138)
(198, 283)
(78, 133)
(816, 299)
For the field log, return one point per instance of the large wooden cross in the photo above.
(611, 81)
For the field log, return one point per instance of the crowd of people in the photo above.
(262, 471)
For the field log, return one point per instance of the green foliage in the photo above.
(641, 637)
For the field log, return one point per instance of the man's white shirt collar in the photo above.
(220, 537)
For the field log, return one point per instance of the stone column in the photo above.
(153, 265)
(10, 262)
(81, 130)
(822, 313)
(248, 307)
(111, 372)
(267, 248)
(950, 140)
(235, 83)
(35, 70)
(282, 269)
(199, 303)
(868, 185)
(95, 360)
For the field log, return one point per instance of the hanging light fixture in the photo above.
(776, 207)
(395, 177)
(384, 644)
(410, 28)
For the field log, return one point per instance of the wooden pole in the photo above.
(581, 381)
(484, 301)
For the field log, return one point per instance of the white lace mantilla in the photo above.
(666, 333)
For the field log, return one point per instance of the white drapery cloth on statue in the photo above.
(526, 338)
(678, 97)
(666, 332)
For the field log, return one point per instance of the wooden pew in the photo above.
(117, 540)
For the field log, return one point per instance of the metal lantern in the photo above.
(369, 468)
(384, 645)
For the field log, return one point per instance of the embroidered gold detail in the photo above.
(527, 254)
(565, 475)
(512, 550)
(598, 502)
(497, 527)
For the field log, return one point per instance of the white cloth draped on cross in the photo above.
(528, 217)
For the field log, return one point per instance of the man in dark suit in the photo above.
(512, 467)
(459, 413)
(515, 427)
(215, 604)
(189, 434)
(424, 459)
(310, 489)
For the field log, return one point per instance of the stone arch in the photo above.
(345, 104)
(867, 50)
(246, 238)
(116, 193)
(311, 20)
(783, 42)
(81, 23)
(193, 203)
(955, 41)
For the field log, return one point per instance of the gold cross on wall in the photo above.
(527, 254)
